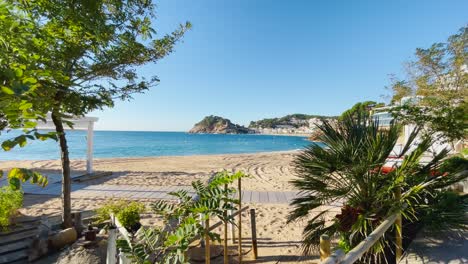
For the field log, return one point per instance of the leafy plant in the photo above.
(129, 216)
(182, 221)
(10, 201)
(128, 213)
(353, 169)
(18, 175)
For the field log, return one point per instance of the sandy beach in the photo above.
(278, 242)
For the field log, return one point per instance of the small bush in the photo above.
(128, 213)
(10, 202)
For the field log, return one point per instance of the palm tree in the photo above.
(353, 169)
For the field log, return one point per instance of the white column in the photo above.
(89, 154)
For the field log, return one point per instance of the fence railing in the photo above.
(339, 256)
(116, 229)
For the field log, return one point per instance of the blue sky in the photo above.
(252, 59)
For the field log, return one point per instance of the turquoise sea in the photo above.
(110, 144)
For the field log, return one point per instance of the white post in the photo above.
(89, 154)
(111, 247)
(111, 242)
(123, 258)
(232, 228)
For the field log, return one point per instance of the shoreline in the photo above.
(156, 157)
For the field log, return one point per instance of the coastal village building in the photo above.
(384, 117)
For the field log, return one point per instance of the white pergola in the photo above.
(79, 123)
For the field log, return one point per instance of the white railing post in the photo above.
(232, 227)
(89, 152)
(111, 244)
(123, 258)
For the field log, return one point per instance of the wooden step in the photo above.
(17, 230)
(18, 237)
(20, 256)
(15, 246)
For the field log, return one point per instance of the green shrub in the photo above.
(10, 202)
(128, 213)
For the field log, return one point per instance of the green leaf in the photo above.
(7, 145)
(7, 90)
(15, 183)
(25, 105)
(29, 80)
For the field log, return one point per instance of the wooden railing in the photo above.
(339, 257)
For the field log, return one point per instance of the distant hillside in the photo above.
(294, 120)
(219, 125)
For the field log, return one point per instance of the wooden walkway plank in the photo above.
(263, 197)
(155, 192)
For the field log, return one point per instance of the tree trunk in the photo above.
(66, 181)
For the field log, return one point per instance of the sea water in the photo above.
(110, 144)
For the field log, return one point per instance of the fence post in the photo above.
(398, 229)
(225, 214)
(253, 225)
(232, 227)
(325, 248)
(202, 223)
(207, 241)
(239, 228)
(111, 244)
(123, 258)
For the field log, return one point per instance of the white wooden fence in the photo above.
(116, 229)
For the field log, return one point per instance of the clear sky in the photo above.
(252, 59)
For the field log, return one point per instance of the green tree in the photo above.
(353, 170)
(19, 75)
(362, 109)
(91, 50)
(439, 74)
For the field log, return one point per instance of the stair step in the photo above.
(17, 230)
(14, 257)
(5, 240)
(15, 246)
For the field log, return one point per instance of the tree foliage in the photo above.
(294, 120)
(79, 56)
(10, 201)
(362, 109)
(352, 170)
(440, 76)
(20, 73)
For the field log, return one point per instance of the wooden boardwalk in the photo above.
(148, 192)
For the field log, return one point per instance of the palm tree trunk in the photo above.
(66, 181)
